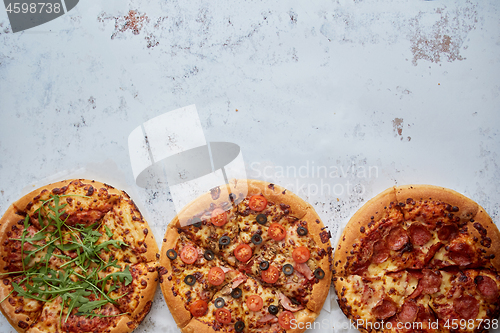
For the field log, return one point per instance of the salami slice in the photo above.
(487, 286)
(408, 312)
(419, 234)
(385, 308)
(448, 232)
(397, 238)
(467, 307)
(380, 252)
(431, 281)
(461, 254)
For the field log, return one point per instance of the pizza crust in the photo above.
(175, 304)
(491, 231)
(468, 208)
(368, 217)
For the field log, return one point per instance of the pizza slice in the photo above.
(20, 311)
(251, 307)
(105, 318)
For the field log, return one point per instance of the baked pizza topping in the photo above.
(413, 255)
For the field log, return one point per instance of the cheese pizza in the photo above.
(419, 258)
(252, 257)
(76, 256)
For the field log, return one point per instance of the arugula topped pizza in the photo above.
(250, 257)
(76, 256)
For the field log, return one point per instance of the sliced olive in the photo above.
(256, 239)
(302, 231)
(171, 254)
(264, 265)
(287, 269)
(197, 222)
(209, 255)
(236, 293)
(189, 280)
(232, 196)
(319, 273)
(219, 302)
(273, 309)
(239, 326)
(224, 240)
(261, 218)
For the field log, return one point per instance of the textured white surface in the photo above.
(336, 100)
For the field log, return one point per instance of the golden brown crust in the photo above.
(8, 308)
(369, 216)
(423, 192)
(483, 228)
(320, 290)
(303, 319)
(175, 304)
(8, 220)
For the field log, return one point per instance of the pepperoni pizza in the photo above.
(252, 257)
(419, 258)
(76, 256)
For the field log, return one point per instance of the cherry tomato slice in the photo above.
(219, 217)
(301, 254)
(285, 318)
(216, 276)
(270, 275)
(198, 308)
(243, 252)
(189, 254)
(254, 302)
(223, 316)
(276, 231)
(257, 203)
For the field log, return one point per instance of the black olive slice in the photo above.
(287, 269)
(219, 302)
(171, 254)
(264, 265)
(209, 255)
(197, 222)
(261, 218)
(189, 280)
(302, 231)
(239, 326)
(256, 239)
(319, 273)
(236, 293)
(224, 240)
(273, 309)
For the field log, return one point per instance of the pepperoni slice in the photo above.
(431, 281)
(467, 307)
(419, 234)
(397, 238)
(487, 286)
(386, 308)
(448, 232)
(380, 252)
(408, 312)
(461, 254)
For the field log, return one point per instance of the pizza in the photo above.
(419, 258)
(76, 256)
(250, 257)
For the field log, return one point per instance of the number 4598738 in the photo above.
(471, 324)
(40, 7)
